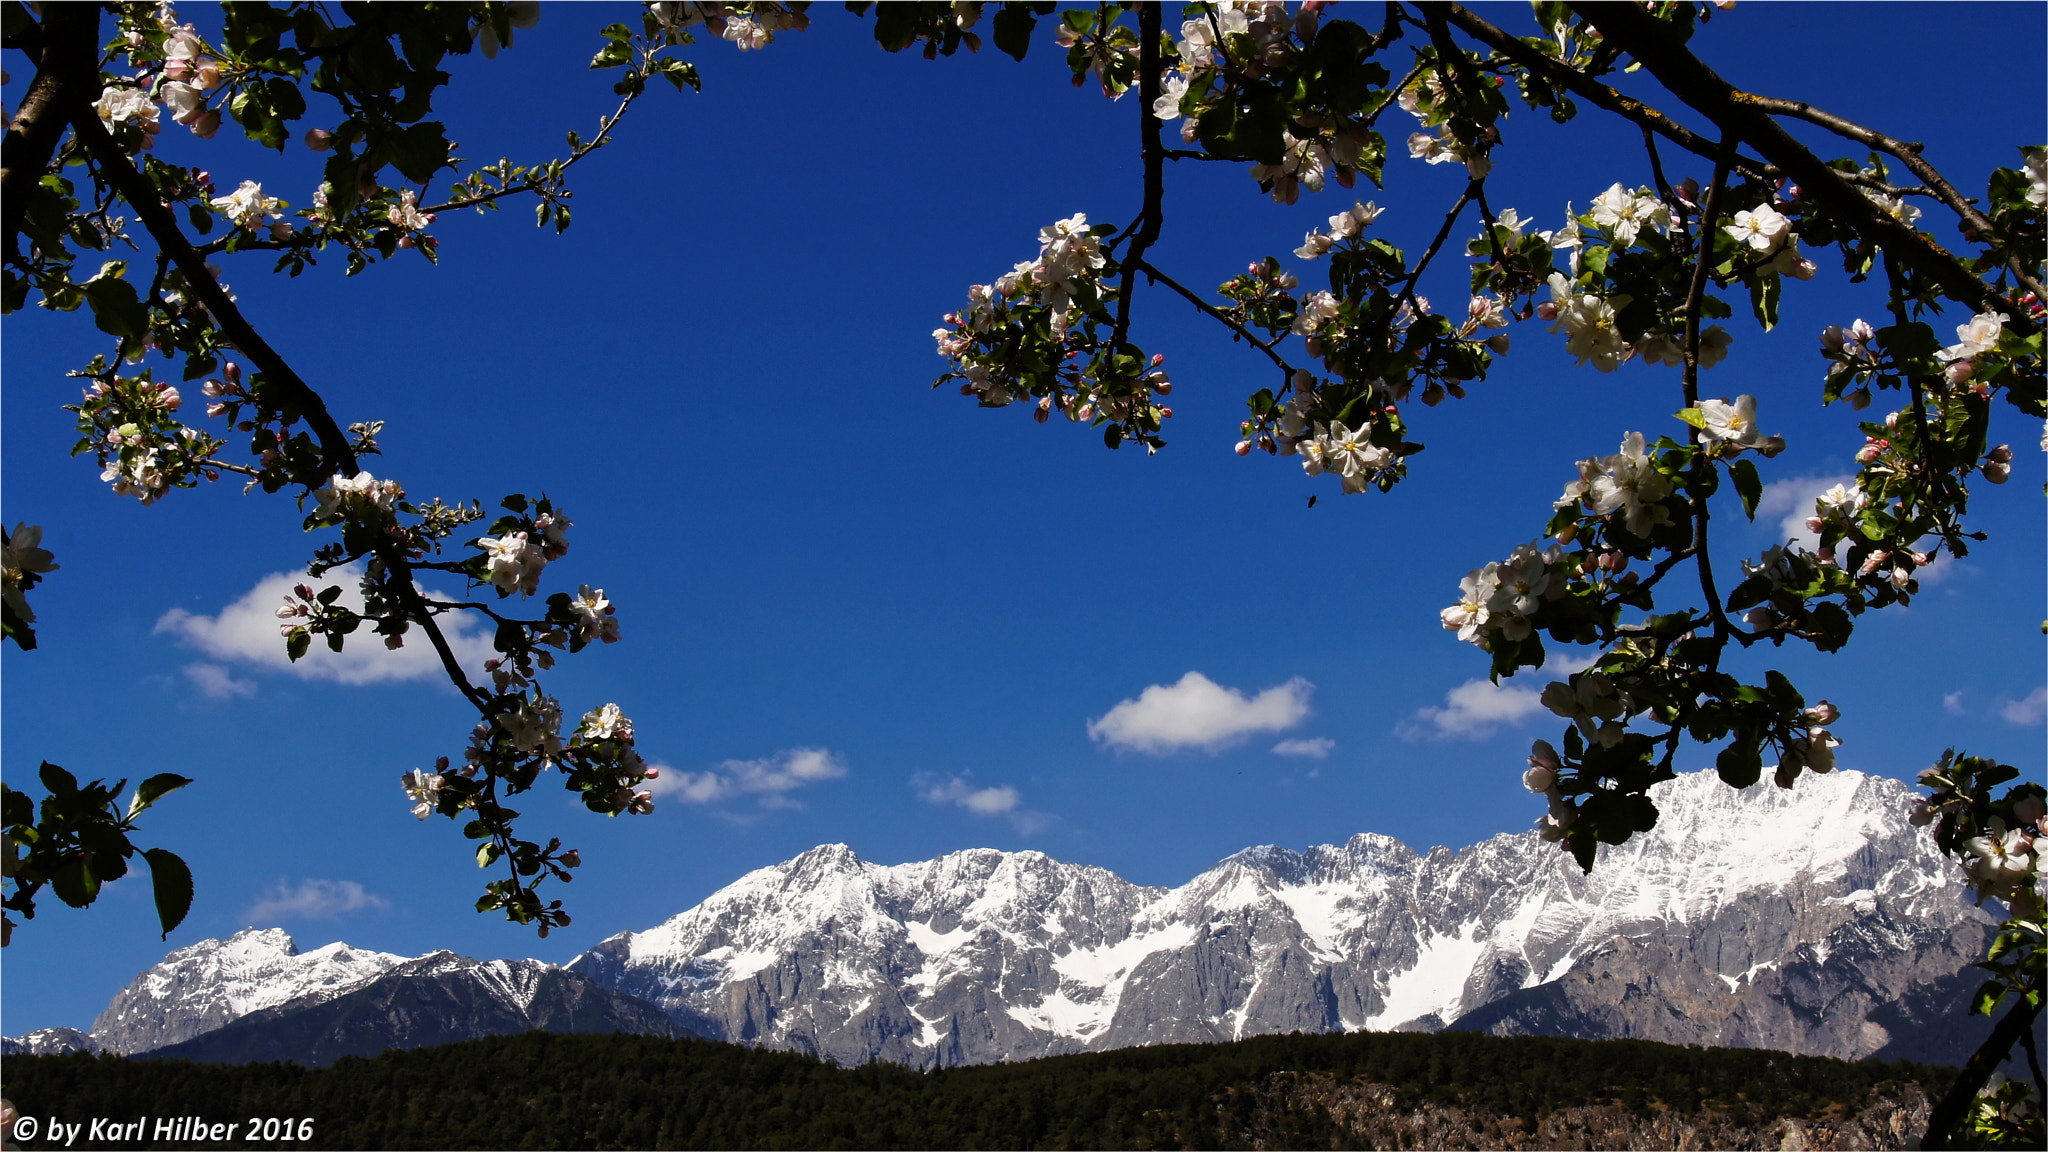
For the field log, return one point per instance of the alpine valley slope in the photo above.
(1817, 921)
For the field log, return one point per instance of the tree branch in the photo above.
(1652, 43)
(38, 125)
(339, 455)
(1592, 91)
(1156, 276)
(1947, 1115)
(1155, 182)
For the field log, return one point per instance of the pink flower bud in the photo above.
(1996, 473)
(1920, 560)
(1814, 524)
(319, 139)
(652, 774)
(1547, 310)
(1244, 448)
(1158, 358)
(1868, 453)
(1960, 371)
(1892, 421)
(1871, 562)
(2001, 454)
(232, 373)
(1825, 555)
(1164, 387)
(1166, 413)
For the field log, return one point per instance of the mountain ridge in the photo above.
(1817, 921)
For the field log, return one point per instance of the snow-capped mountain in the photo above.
(202, 987)
(1816, 921)
(255, 996)
(1737, 899)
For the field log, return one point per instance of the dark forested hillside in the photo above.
(1361, 1090)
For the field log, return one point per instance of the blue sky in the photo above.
(882, 615)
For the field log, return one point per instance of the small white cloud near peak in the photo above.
(997, 800)
(769, 779)
(312, 899)
(957, 790)
(1318, 748)
(1197, 712)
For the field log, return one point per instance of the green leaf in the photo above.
(1740, 764)
(296, 644)
(1692, 416)
(1013, 28)
(1763, 298)
(153, 789)
(1747, 485)
(116, 310)
(172, 882)
(60, 783)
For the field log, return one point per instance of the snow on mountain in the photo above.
(1816, 920)
(199, 988)
(984, 955)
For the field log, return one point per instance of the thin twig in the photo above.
(1154, 275)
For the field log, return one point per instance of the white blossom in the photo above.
(425, 788)
(1979, 335)
(247, 206)
(1625, 214)
(1763, 228)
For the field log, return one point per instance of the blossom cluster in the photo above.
(23, 560)
(129, 424)
(745, 26)
(514, 558)
(1628, 482)
(1999, 842)
(1232, 42)
(1035, 331)
(1504, 597)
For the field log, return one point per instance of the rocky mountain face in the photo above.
(440, 998)
(256, 997)
(1816, 921)
(197, 989)
(48, 1042)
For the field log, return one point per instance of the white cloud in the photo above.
(770, 779)
(312, 900)
(246, 632)
(1199, 713)
(217, 683)
(1000, 800)
(2032, 710)
(1952, 703)
(956, 790)
(1791, 501)
(1474, 709)
(1317, 748)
